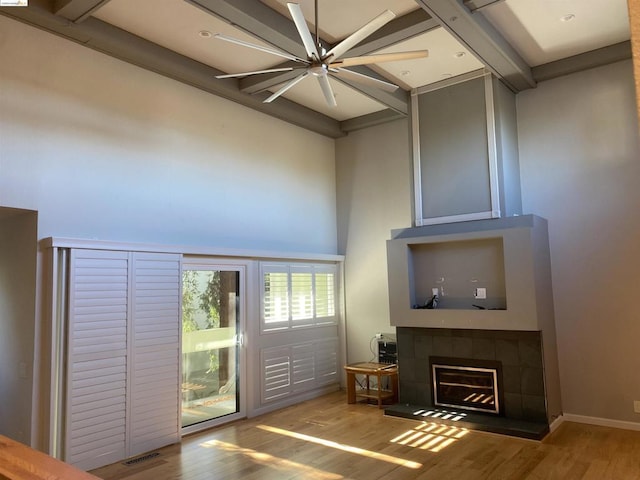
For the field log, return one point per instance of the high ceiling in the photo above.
(521, 41)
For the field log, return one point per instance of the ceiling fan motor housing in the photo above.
(319, 70)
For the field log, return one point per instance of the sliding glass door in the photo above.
(211, 344)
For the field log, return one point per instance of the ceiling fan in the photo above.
(320, 63)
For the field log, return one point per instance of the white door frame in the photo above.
(243, 267)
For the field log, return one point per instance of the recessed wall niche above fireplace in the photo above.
(512, 329)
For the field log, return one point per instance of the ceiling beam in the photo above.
(474, 5)
(106, 38)
(370, 120)
(76, 10)
(583, 61)
(483, 40)
(257, 19)
(397, 30)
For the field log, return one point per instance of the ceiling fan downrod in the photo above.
(316, 25)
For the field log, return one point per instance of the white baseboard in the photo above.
(603, 422)
(556, 423)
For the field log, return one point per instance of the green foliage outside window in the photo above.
(199, 296)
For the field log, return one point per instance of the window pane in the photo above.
(276, 297)
(301, 296)
(209, 359)
(325, 295)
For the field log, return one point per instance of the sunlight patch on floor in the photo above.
(444, 414)
(270, 461)
(345, 448)
(430, 436)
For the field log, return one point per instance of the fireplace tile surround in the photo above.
(519, 352)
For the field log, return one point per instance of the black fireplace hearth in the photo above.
(471, 420)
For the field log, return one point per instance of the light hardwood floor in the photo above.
(327, 439)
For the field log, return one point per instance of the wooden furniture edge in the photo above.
(634, 23)
(20, 462)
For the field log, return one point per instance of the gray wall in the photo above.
(580, 168)
(578, 141)
(103, 149)
(374, 197)
(18, 245)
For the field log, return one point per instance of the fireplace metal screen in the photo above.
(471, 388)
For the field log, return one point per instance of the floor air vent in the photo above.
(140, 459)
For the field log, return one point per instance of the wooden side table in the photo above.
(368, 369)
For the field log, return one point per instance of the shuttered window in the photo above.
(296, 295)
(325, 296)
(301, 297)
(303, 367)
(299, 348)
(298, 368)
(276, 373)
(326, 361)
(275, 299)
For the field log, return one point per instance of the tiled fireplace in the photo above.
(507, 339)
(518, 353)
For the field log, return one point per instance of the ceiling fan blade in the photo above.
(379, 58)
(323, 80)
(364, 79)
(244, 74)
(286, 87)
(272, 51)
(359, 35)
(303, 30)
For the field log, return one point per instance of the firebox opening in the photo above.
(467, 383)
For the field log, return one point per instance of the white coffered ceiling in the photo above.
(515, 39)
(543, 31)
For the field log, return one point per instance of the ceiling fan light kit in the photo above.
(321, 64)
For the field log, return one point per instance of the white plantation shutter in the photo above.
(275, 298)
(301, 296)
(96, 358)
(298, 368)
(275, 373)
(297, 295)
(325, 294)
(155, 359)
(304, 371)
(123, 337)
(326, 360)
(298, 339)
